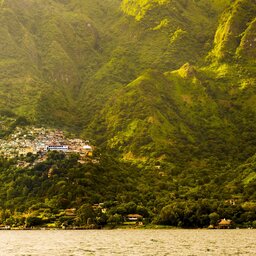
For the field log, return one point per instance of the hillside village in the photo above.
(33, 140)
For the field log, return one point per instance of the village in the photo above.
(33, 140)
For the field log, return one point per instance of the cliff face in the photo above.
(234, 34)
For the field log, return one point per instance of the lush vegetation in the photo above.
(165, 89)
(105, 193)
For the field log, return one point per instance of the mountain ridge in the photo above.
(76, 85)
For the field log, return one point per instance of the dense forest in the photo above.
(63, 192)
(164, 89)
(43, 194)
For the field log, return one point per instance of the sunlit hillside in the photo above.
(165, 91)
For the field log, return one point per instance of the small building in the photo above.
(26, 150)
(70, 212)
(87, 148)
(57, 148)
(134, 217)
(224, 224)
(22, 164)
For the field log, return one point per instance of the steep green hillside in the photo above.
(159, 34)
(244, 180)
(107, 69)
(233, 37)
(164, 87)
(49, 49)
(156, 112)
(180, 115)
(69, 56)
(194, 112)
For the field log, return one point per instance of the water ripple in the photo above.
(128, 242)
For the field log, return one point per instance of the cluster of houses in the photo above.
(41, 140)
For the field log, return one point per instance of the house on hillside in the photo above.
(70, 212)
(26, 150)
(62, 148)
(87, 150)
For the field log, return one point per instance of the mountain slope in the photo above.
(71, 52)
(232, 35)
(82, 65)
(164, 89)
(192, 112)
(175, 117)
(51, 48)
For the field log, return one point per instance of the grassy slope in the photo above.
(64, 83)
(49, 50)
(165, 38)
(189, 113)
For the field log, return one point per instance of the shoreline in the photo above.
(118, 227)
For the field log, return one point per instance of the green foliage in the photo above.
(182, 135)
(233, 24)
(48, 79)
(214, 218)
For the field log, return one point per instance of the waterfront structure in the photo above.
(224, 224)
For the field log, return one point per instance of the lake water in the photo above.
(128, 242)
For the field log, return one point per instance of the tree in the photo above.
(86, 215)
(214, 218)
(32, 221)
(115, 219)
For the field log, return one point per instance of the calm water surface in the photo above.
(128, 242)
